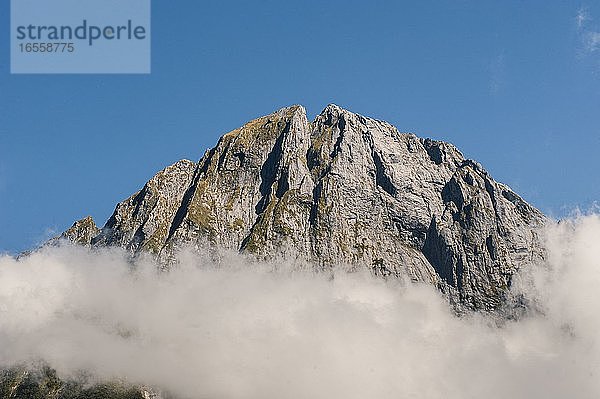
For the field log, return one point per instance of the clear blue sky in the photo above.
(514, 84)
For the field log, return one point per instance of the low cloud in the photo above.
(239, 329)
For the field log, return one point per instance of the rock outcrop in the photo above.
(43, 383)
(343, 190)
(82, 232)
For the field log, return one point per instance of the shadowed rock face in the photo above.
(340, 190)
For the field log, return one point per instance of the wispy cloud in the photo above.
(582, 17)
(588, 35)
(593, 41)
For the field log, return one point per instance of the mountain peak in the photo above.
(343, 190)
(333, 109)
(82, 231)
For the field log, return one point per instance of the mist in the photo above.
(238, 329)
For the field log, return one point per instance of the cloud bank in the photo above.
(241, 330)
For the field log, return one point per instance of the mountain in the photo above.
(342, 190)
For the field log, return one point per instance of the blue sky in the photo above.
(515, 85)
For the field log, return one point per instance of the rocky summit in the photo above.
(343, 190)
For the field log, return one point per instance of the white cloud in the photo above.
(592, 41)
(243, 330)
(582, 17)
(589, 37)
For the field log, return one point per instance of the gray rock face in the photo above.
(341, 190)
(81, 232)
(142, 221)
